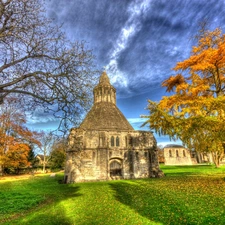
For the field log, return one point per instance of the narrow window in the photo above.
(117, 141)
(93, 156)
(131, 157)
(100, 142)
(137, 155)
(184, 153)
(131, 141)
(112, 141)
(177, 154)
(126, 141)
(150, 157)
(146, 154)
(170, 153)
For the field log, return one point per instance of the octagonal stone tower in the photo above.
(105, 146)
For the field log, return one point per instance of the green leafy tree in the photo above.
(58, 154)
(31, 155)
(194, 113)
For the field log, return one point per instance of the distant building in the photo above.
(204, 157)
(105, 146)
(178, 155)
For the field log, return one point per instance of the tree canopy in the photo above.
(15, 138)
(39, 65)
(47, 140)
(58, 154)
(194, 112)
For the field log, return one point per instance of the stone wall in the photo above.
(177, 156)
(104, 155)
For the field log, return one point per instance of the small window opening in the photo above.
(137, 155)
(131, 141)
(117, 141)
(112, 141)
(93, 156)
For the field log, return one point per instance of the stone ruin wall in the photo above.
(90, 153)
(177, 156)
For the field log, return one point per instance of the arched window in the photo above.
(177, 154)
(112, 141)
(170, 153)
(117, 141)
(184, 153)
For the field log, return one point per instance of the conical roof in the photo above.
(105, 115)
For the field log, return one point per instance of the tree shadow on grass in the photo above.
(49, 210)
(151, 204)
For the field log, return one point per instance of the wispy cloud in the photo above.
(40, 117)
(136, 10)
(137, 123)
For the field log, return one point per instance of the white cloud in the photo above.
(137, 9)
(115, 74)
(40, 118)
(164, 143)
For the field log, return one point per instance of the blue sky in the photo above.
(136, 42)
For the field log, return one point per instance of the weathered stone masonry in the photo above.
(106, 146)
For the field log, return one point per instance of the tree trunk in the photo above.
(216, 159)
(217, 164)
(1, 170)
(44, 170)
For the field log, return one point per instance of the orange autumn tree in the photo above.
(194, 113)
(16, 156)
(15, 138)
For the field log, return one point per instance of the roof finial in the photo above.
(104, 79)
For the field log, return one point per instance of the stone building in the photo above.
(204, 157)
(177, 155)
(105, 146)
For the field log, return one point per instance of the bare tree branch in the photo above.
(40, 65)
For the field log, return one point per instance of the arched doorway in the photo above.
(115, 168)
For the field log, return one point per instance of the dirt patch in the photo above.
(16, 177)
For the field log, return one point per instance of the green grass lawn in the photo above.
(186, 195)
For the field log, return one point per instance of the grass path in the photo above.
(186, 195)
